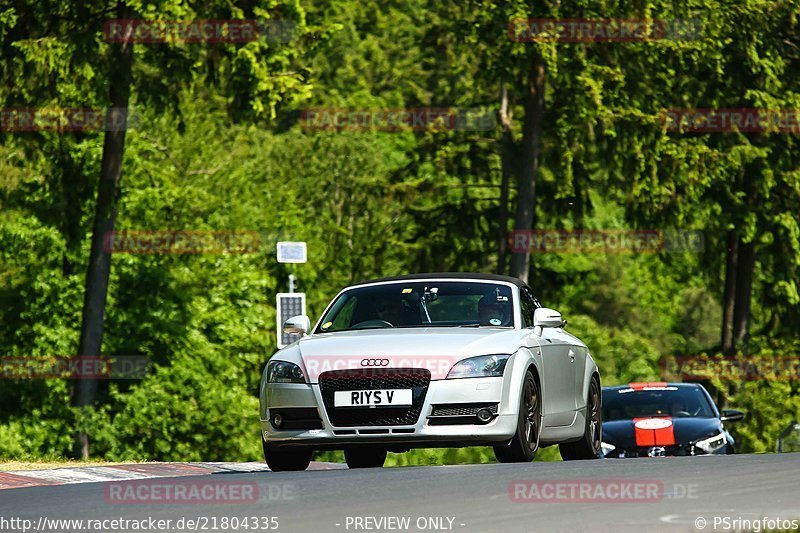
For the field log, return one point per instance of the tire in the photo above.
(364, 457)
(525, 443)
(589, 445)
(286, 459)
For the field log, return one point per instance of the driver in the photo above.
(390, 310)
(491, 312)
(678, 408)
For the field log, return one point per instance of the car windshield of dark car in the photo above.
(421, 304)
(677, 402)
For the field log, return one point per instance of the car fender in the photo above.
(590, 369)
(524, 358)
(290, 354)
(731, 448)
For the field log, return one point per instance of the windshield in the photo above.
(425, 303)
(677, 402)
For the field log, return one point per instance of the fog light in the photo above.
(277, 420)
(484, 415)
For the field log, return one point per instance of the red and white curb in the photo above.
(94, 474)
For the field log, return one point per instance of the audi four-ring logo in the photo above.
(374, 362)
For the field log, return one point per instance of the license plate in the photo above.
(372, 398)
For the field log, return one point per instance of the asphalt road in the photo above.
(673, 493)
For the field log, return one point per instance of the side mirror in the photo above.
(299, 325)
(731, 415)
(547, 318)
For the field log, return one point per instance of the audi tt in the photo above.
(430, 360)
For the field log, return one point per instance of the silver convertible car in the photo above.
(430, 360)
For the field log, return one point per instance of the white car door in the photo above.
(559, 358)
(558, 367)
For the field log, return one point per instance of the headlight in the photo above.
(607, 448)
(483, 366)
(283, 372)
(712, 444)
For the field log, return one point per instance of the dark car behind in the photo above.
(664, 419)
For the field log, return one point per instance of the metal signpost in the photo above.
(289, 304)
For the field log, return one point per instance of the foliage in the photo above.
(220, 145)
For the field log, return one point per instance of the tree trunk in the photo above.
(507, 164)
(744, 273)
(531, 135)
(105, 214)
(744, 289)
(729, 296)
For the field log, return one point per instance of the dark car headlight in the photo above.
(284, 372)
(713, 443)
(483, 366)
(607, 448)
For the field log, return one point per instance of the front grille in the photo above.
(669, 451)
(416, 379)
(462, 409)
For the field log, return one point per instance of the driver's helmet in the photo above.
(492, 312)
(676, 406)
(389, 307)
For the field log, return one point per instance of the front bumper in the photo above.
(661, 451)
(425, 432)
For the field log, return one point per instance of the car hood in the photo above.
(622, 433)
(435, 349)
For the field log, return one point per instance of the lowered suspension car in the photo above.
(659, 419)
(430, 360)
